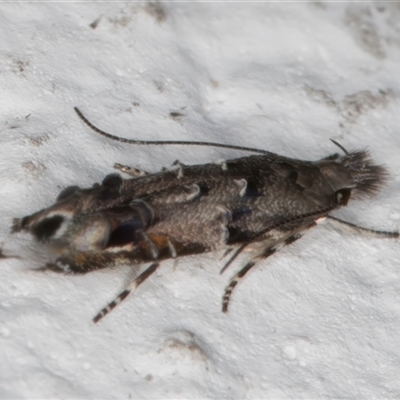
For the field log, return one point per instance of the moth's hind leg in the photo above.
(123, 295)
(267, 251)
(131, 171)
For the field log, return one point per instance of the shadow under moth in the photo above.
(263, 202)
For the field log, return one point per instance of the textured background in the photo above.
(320, 319)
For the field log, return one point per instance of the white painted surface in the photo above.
(321, 319)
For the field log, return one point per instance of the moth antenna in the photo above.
(164, 142)
(340, 146)
(348, 226)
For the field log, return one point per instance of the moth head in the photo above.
(44, 225)
(75, 223)
(354, 171)
(52, 222)
(62, 229)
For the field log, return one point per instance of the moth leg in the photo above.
(227, 251)
(234, 256)
(131, 171)
(123, 295)
(349, 227)
(268, 251)
(84, 262)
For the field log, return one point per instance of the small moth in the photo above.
(265, 201)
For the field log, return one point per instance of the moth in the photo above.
(262, 202)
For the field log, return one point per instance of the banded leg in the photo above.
(131, 171)
(348, 226)
(123, 295)
(268, 251)
(279, 224)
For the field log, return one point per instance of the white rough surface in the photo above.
(320, 319)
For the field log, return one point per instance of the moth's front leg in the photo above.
(124, 294)
(84, 262)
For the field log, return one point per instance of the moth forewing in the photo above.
(265, 199)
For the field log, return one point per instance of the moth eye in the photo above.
(47, 227)
(67, 192)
